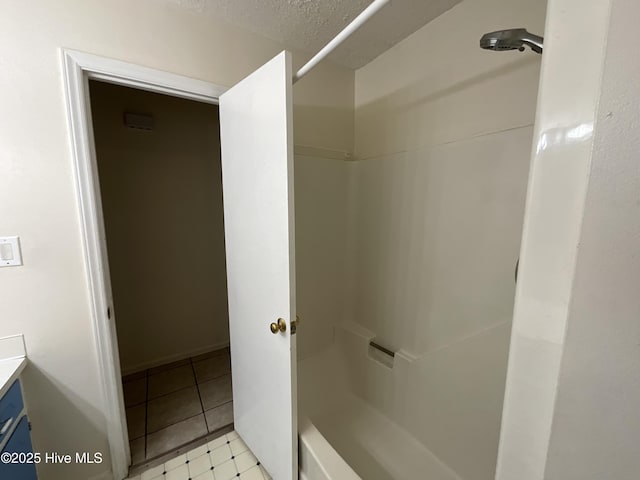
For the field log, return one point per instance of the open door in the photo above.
(257, 174)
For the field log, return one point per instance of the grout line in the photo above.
(177, 422)
(217, 406)
(171, 393)
(428, 146)
(212, 379)
(195, 377)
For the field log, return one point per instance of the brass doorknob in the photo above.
(281, 326)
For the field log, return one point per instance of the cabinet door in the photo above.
(19, 442)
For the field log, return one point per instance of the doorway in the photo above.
(257, 137)
(158, 163)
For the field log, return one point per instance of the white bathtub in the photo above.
(342, 437)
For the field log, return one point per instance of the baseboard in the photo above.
(173, 358)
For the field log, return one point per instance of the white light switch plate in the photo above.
(10, 252)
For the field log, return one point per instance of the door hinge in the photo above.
(294, 325)
(109, 313)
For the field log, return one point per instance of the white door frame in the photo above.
(78, 68)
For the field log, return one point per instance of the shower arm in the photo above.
(534, 41)
(357, 22)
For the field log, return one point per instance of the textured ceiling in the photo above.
(308, 25)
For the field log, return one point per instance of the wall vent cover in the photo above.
(138, 121)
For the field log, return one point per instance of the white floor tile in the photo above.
(175, 462)
(180, 473)
(197, 452)
(226, 471)
(152, 473)
(220, 455)
(218, 442)
(265, 474)
(245, 461)
(199, 465)
(252, 474)
(228, 454)
(238, 446)
(205, 476)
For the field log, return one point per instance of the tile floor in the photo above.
(224, 458)
(172, 405)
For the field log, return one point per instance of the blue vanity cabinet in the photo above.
(15, 438)
(11, 406)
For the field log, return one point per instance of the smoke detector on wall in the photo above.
(138, 121)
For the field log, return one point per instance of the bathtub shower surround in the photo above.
(348, 437)
(435, 206)
(400, 422)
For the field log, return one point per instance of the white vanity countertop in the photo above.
(10, 370)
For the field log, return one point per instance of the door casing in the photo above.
(78, 69)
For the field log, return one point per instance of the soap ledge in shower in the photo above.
(380, 354)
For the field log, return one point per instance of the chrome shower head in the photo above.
(513, 39)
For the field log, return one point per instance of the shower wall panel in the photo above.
(436, 204)
(320, 224)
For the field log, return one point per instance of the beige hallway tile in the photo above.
(175, 435)
(136, 421)
(219, 417)
(213, 367)
(137, 450)
(172, 408)
(134, 376)
(135, 392)
(216, 392)
(170, 381)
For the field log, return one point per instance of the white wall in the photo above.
(443, 139)
(162, 204)
(592, 392)
(570, 85)
(596, 427)
(47, 298)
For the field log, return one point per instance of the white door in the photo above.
(257, 175)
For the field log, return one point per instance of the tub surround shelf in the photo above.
(382, 349)
(371, 340)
